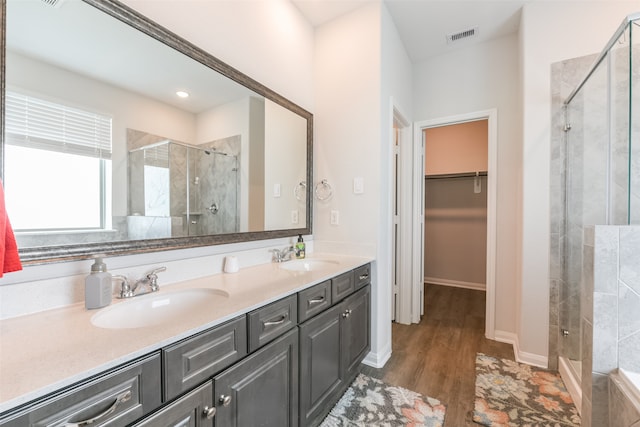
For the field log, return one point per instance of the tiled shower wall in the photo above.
(564, 289)
(610, 316)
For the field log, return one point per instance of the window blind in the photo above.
(36, 123)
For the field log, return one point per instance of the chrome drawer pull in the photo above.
(209, 412)
(316, 300)
(364, 276)
(280, 321)
(347, 313)
(110, 410)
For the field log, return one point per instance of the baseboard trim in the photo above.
(571, 380)
(456, 283)
(378, 360)
(521, 356)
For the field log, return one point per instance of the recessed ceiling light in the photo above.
(182, 94)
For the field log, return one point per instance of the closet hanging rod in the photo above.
(456, 175)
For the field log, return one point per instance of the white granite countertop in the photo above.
(43, 352)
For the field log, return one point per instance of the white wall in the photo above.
(360, 66)
(550, 32)
(270, 41)
(285, 161)
(477, 79)
(347, 144)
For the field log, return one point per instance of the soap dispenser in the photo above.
(97, 286)
(300, 247)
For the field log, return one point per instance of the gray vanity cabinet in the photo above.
(321, 369)
(117, 398)
(356, 330)
(262, 389)
(194, 409)
(332, 345)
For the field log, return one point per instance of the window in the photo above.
(51, 147)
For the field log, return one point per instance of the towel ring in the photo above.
(323, 190)
(300, 191)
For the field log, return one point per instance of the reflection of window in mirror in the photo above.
(49, 147)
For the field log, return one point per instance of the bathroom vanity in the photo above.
(280, 346)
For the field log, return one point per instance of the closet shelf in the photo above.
(456, 175)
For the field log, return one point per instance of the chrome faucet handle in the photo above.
(277, 255)
(152, 277)
(125, 287)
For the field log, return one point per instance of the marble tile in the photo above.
(629, 249)
(600, 400)
(586, 413)
(629, 349)
(586, 294)
(628, 311)
(587, 359)
(605, 259)
(605, 333)
(622, 412)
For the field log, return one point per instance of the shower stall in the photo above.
(595, 205)
(178, 190)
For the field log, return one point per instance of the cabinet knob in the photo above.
(225, 400)
(346, 313)
(209, 412)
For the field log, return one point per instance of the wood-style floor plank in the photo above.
(436, 357)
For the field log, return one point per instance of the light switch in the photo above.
(335, 218)
(276, 190)
(358, 185)
(294, 216)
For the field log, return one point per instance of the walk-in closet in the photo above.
(456, 204)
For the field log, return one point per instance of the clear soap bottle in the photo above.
(97, 286)
(300, 248)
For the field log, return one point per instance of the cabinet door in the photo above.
(262, 389)
(356, 324)
(321, 372)
(194, 409)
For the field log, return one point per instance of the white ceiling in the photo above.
(424, 24)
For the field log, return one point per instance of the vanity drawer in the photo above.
(116, 398)
(271, 321)
(189, 410)
(190, 362)
(314, 300)
(362, 276)
(342, 286)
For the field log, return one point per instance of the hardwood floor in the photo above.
(437, 356)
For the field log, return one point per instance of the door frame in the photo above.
(404, 243)
(491, 116)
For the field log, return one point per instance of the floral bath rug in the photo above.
(511, 394)
(371, 402)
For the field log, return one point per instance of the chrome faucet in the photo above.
(282, 255)
(149, 281)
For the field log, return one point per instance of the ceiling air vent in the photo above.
(462, 35)
(53, 3)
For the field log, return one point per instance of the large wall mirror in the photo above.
(120, 137)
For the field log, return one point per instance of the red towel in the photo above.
(8, 247)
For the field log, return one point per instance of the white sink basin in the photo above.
(308, 264)
(156, 309)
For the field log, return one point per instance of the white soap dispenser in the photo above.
(97, 286)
